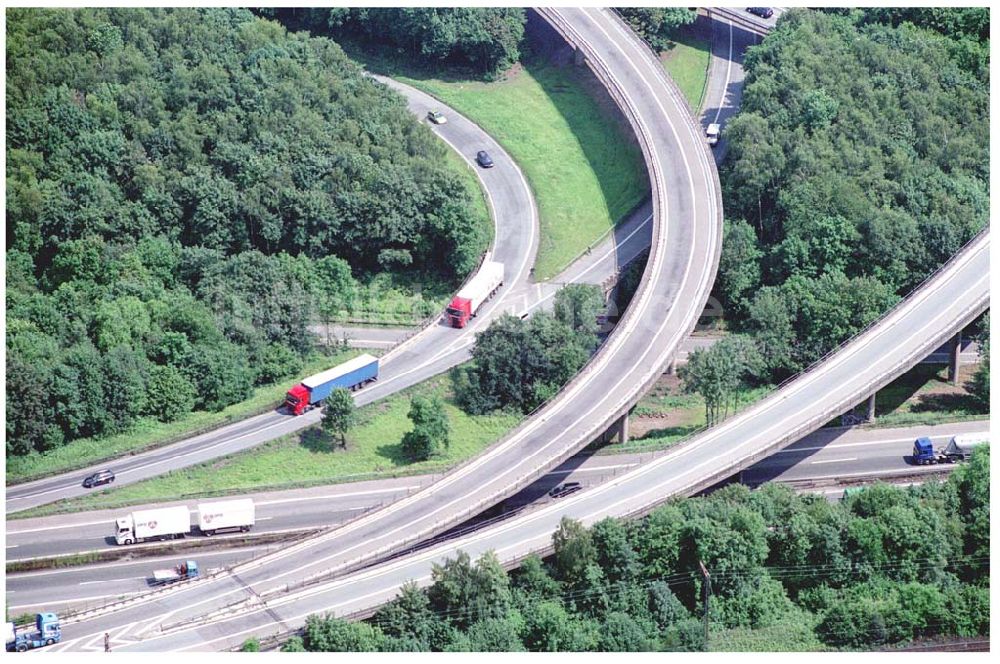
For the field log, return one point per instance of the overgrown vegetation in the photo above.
(517, 365)
(858, 164)
(657, 25)
(185, 190)
(788, 572)
(485, 40)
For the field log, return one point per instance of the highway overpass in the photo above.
(947, 302)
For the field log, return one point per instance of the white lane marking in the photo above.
(131, 578)
(339, 495)
(125, 563)
(12, 546)
(69, 601)
(729, 66)
(834, 460)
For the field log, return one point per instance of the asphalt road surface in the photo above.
(821, 458)
(956, 295)
(681, 267)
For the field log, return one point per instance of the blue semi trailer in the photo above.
(959, 449)
(350, 375)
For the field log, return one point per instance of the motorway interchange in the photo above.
(217, 611)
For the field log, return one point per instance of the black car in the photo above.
(763, 12)
(484, 159)
(564, 489)
(99, 478)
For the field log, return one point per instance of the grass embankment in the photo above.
(149, 433)
(585, 172)
(583, 167)
(310, 457)
(686, 60)
(924, 395)
(794, 632)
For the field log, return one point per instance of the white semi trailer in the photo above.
(171, 522)
(226, 515)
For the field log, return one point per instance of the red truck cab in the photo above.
(297, 399)
(459, 311)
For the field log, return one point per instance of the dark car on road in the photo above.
(763, 12)
(564, 489)
(99, 478)
(484, 159)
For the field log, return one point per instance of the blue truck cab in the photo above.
(47, 632)
(923, 451)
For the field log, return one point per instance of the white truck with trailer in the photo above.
(172, 522)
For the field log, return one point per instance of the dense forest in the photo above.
(859, 163)
(186, 190)
(486, 41)
(788, 572)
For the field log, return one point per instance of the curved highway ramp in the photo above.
(949, 301)
(685, 247)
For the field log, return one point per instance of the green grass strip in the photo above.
(309, 457)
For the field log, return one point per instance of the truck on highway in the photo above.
(959, 448)
(186, 570)
(226, 515)
(160, 523)
(46, 632)
(349, 375)
(172, 522)
(480, 288)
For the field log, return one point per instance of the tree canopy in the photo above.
(187, 189)
(857, 165)
(887, 564)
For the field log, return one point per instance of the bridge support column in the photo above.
(672, 366)
(578, 58)
(954, 358)
(870, 416)
(621, 429)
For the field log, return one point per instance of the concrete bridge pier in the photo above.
(954, 358)
(620, 429)
(870, 416)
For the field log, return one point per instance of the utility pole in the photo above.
(706, 588)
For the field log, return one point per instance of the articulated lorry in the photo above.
(46, 632)
(959, 448)
(173, 522)
(350, 375)
(480, 288)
